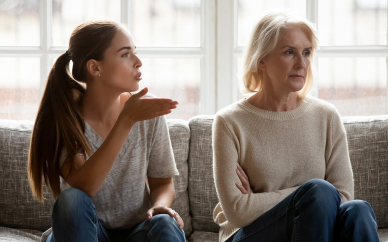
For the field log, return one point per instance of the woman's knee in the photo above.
(163, 221)
(71, 201)
(357, 211)
(320, 191)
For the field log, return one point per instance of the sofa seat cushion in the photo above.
(18, 235)
(201, 236)
(383, 235)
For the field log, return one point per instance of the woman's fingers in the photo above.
(245, 187)
(165, 210)
(139, 94)
(242, 171)
(179, 220)
(241, 188)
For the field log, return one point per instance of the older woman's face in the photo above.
(285, 68)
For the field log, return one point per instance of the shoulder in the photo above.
(232, 111)
(321, 106)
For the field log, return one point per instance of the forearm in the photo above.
(90, 176)
(162, 194)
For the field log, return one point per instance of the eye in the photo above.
(307, 53)
(289, 52)
(135, 53)
(125, 55)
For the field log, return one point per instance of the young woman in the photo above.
(95, 145)
(281, 162)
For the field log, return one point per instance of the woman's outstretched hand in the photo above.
(165, 210)
(138, 109)
(245, 187)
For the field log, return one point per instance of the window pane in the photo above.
(240, 94)
(352, 22)
(19, 90)
(166, 23)
(178, 79)
(356, 86)
(249, 12)
(19, 23)
(68, 14)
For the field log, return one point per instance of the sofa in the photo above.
(24, 219)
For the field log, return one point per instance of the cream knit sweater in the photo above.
(279, 151)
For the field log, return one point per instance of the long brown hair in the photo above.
(59, 122)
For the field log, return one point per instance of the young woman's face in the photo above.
(285, 68)
(120, 68)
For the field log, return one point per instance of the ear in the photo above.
(261, 65)
(93, 67)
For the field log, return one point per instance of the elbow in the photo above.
(237, 221)
(238, 218)
(236, 212)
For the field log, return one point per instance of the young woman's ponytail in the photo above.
(59, 122)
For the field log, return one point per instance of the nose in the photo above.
(301, 62)
(138, 63)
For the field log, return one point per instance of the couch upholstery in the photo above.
(24, 219)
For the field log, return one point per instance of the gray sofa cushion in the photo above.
(19, 235)
(368, 150)
(199, 236)
(180, 136)
(18, 207)
(202, 192)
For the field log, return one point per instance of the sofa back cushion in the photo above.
(368, 148)
(202, 192)
(180, 136)
(19, 209)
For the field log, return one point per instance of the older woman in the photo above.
(288, 150)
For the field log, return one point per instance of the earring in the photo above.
(99, 74)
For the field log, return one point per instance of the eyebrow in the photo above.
(292, 47)
(125, 48)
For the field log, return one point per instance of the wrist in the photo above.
(125, 120)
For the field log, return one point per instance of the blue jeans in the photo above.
(75, 219)
(313, 212)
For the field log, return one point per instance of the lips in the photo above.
(138, 76)
(300, 76)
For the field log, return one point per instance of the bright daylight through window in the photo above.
(192, 49)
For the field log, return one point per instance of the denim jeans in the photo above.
(313, 213)
(75, 219)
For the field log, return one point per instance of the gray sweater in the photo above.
(279, 151)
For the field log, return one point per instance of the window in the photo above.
(175, 40)
(192, 49)
(351, 63)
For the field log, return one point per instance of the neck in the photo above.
(102, 107)
(275, 101)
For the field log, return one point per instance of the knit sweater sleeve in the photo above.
(338, 167)
(239, 209)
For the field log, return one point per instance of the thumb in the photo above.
(141, 93)
(149, 214)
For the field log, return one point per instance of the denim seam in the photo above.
(265, 225)
(96, 220)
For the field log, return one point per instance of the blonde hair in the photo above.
(263, 41)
